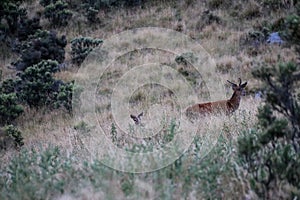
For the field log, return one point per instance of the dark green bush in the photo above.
(271, 151)
(43, 45)
(37, 87)
(216, 4)
(47, 2)
(81, 47)
(10, 137)
(36, 82)
(10, 108)
(11, 13)
(15, 26)
(58, 14)
(91, 15)
(28, 27)
(64, 96)
(277, 4)
(106, 4)
(292, 30)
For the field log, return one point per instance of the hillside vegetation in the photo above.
(50, 149)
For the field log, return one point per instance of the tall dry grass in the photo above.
(208, 172)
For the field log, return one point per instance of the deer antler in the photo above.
(231, 82)
(240, 81)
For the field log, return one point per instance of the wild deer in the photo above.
(223, 106)
(137, 119)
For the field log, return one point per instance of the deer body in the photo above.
(217, 107)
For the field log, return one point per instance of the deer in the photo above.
(222, 106)
(137, 119)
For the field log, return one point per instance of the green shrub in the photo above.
(91, 15)
(28, 27)
(11, 13)
(33, 175)
(106, 4)
(35, 84)
(10, 108)
(37, 87)
(64, 96)
(47, 2)
(277, 4)
(270, 152)
(292, 31)
(81, 47)
(43, 45)
(58, 14)
(216, 4)
(10, 137)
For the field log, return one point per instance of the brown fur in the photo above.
(217, 107)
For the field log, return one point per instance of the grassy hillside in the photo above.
(62, 153)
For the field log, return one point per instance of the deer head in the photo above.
(238, 88)
(137, 119)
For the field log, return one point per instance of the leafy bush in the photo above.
(216, 4)
(9, 108)
(47, 2)
(64, 96)
(277, 4)
(34, 175)
(28, 27)
(58, 14)
(16, 26)
(292, 31)
(37, 87)
(36, 83)
(43, 45)
(10, 136)
(11, 13)
(91, 15)
(9, 104)
(271, 152)
(105, 4)
(81, 47)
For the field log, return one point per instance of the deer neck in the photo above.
(234, 101)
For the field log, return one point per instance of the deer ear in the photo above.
(244, 85)
(133, 117)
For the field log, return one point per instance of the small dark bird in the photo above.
(137, 119)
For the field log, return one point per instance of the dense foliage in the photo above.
(58, 14)
(37, 87)
(10, 137)
(270, 152)
(43, 45)
(81, 47)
